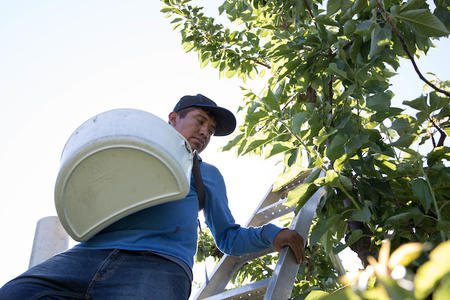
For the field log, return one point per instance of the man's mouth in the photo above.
(198, 140)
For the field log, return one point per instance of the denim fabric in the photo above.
(102, 275)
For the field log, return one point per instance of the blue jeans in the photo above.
(101, 274)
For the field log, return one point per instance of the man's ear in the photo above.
(173, 118)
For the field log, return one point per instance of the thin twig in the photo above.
(443, 135)
(287, 103)
(432, 139)
(405, 47)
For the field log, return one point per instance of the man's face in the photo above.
(197, 127)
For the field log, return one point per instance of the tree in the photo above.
(326, 104)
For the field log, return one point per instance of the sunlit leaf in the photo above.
(300, 195)
(405, 254)
(424, 22)
(429, 274)
(316, 295)
(233, 142)
(443, 292)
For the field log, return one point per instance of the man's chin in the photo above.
(197, 148)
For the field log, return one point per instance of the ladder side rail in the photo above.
(282, 280)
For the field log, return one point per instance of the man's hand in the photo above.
(291, 238)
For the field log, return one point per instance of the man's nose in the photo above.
(204, 130)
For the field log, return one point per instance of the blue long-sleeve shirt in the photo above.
(171, 228)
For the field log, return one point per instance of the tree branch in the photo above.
(405, 47)
(309, 9)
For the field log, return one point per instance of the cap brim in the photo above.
(225, 120)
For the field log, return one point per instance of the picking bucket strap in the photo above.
(198, 181)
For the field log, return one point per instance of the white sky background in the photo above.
(62, 62)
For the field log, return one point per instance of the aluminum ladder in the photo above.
(279, 286)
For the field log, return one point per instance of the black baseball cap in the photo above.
(225, 120)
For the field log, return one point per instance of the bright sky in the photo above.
(63, 62)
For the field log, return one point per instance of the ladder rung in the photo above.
(271, 212)
(252, 291)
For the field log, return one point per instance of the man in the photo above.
(149, 254)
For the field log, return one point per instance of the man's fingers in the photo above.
(298, 250)
(291, 238)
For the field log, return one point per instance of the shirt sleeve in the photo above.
(230, 237)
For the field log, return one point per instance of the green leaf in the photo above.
(333, 69)
(438, 154)
(380, 37)
(255, 117)
(418, 103)
(424, 22)
(420, 190)
(405, 140)
(437, 102)
(230, 72)
(292, 173)
(290, 66)
(298, 120)
(346, 182)
(258, 143)
(412, 4)
(381, 186)
(355, 143)
(233, 142)
(382, 115)
(301, 195)
(325, 20)
(354, 237)
(380, 101)
(332, 177)
(271, 101)
(362, 215)
(323, 136)
(336, 148)
(187, 46)
(321, 227)
(278, 147)
(364, 28)
(404, 215)
(376, 86)
(333, 6)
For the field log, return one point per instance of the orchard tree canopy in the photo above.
(326, 104)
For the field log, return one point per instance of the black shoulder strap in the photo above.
(198, 181)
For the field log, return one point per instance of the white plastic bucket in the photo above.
(117, 163)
